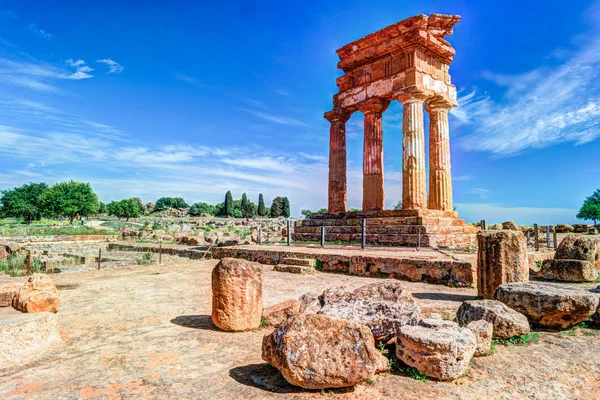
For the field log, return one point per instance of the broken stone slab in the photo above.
(237, 294)
(26, 337)
(384, 307)
(578, 247)
(568, 270)
(38, 294)
(309, 303)
(318, 352)
(442, 353)
(551, 305)
(506, 322)
(8, 290)
(436, 323)
(483, 332)
(277, 314)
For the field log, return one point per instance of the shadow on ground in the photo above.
(265, 377)
(195, 321)
(444, 296)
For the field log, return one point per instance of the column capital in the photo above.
(438, 104)
(337, 114)
(373, 105)
(411, 97)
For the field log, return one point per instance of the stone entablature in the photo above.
(409, 62)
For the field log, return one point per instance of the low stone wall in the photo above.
(446, 272)
(59, 238)
(181, 251)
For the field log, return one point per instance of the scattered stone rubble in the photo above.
(577, 259)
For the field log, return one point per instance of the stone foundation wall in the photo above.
(446, 272)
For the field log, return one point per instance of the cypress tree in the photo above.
(285, 208)
(277, 207)
(262, 211)
(228, 206)
(244, 206)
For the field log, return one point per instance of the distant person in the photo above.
(82, 221)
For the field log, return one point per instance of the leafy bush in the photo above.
(203, 208)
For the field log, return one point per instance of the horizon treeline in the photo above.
(71, 200)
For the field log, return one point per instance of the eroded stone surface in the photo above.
(237, 294)
(442, 353)
(578, 247)
(38, 294)
(507, 322)
(384, 307)
(316, 351)
(280, 312)
(568, 270)
(550, 305)
(483, 332)
(8, 290)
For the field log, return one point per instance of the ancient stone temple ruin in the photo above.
(409, 62)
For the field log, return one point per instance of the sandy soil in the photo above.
(145, 332)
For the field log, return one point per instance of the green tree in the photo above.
(353, 210)
(170, 202)
(102, 208)
(307, 213)
(179, 202)
(321, 211)
(248, 208)
(23, 202)
(69, 199)
(590, 210)
(202, 208)
(398, 205)
(228, 205)
(286, 212)
(244, 204)
(126, 208)
(140, 204)
(277, 207)
(262, 210)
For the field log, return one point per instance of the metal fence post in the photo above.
(289, 233)
(29, 263)
(483, 225)
(322, 236)
(548, 236)
(363, 240)
(536, 236)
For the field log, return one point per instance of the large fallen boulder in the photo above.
(237, 294)
(8, 290)
(564, 228)
(318, 352)
(483, 332)
(442, 353)
(38, 294)
(278, 313)
(578, 247)
(568, 270)
(510, 225)
(309, 303)
(384, 307)
(551, 305)
(506, 322)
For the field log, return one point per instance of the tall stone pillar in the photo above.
(373, 190)
(337, 160)
(440, 178)
(414, 185)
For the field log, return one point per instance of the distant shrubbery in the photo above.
(170, 202)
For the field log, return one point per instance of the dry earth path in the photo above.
(145, 332)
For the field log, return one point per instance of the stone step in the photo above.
(452, 240)
(294, 269)
(392, 229)
(390, 221)
(302, 262)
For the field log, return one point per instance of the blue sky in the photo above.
(199, 98)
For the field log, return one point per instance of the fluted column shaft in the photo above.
(337, 160)
(440, 177)
(373, 189)
(414, 184)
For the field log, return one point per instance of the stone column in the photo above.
(440, 178)
(337, 159)
(414, 186)
(373, 191)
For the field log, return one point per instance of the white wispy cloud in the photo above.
(482, 193)
(279, 119)
(9, 14)
(314, 157)
(462, 178)
(113, 66)
(188, 79)
(34, 28)
(548, 105)
(281, 92)
(82, 70)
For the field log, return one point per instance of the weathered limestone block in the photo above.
(237, 290)
(483, 332)
(309, 303)
(506, 322)
(510, 225)
(550, 305)
(27, 337)
(501, 258)
(8, 290)
(38, 294)
(564, 228)
(279, 313)
(384, 307)
(568, 270)
(316, 352)
(578, 247)
(442, 353)
(437, 323)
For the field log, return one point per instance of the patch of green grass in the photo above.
(525, 340)
(121, 224)
(587, 328)
(539, 264)
(398, 366)
(145, 258)
(263, 323)
(16, 265)
(55, 231)
(318, 265)
(491, 351)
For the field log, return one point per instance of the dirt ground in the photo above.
(145, 332)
